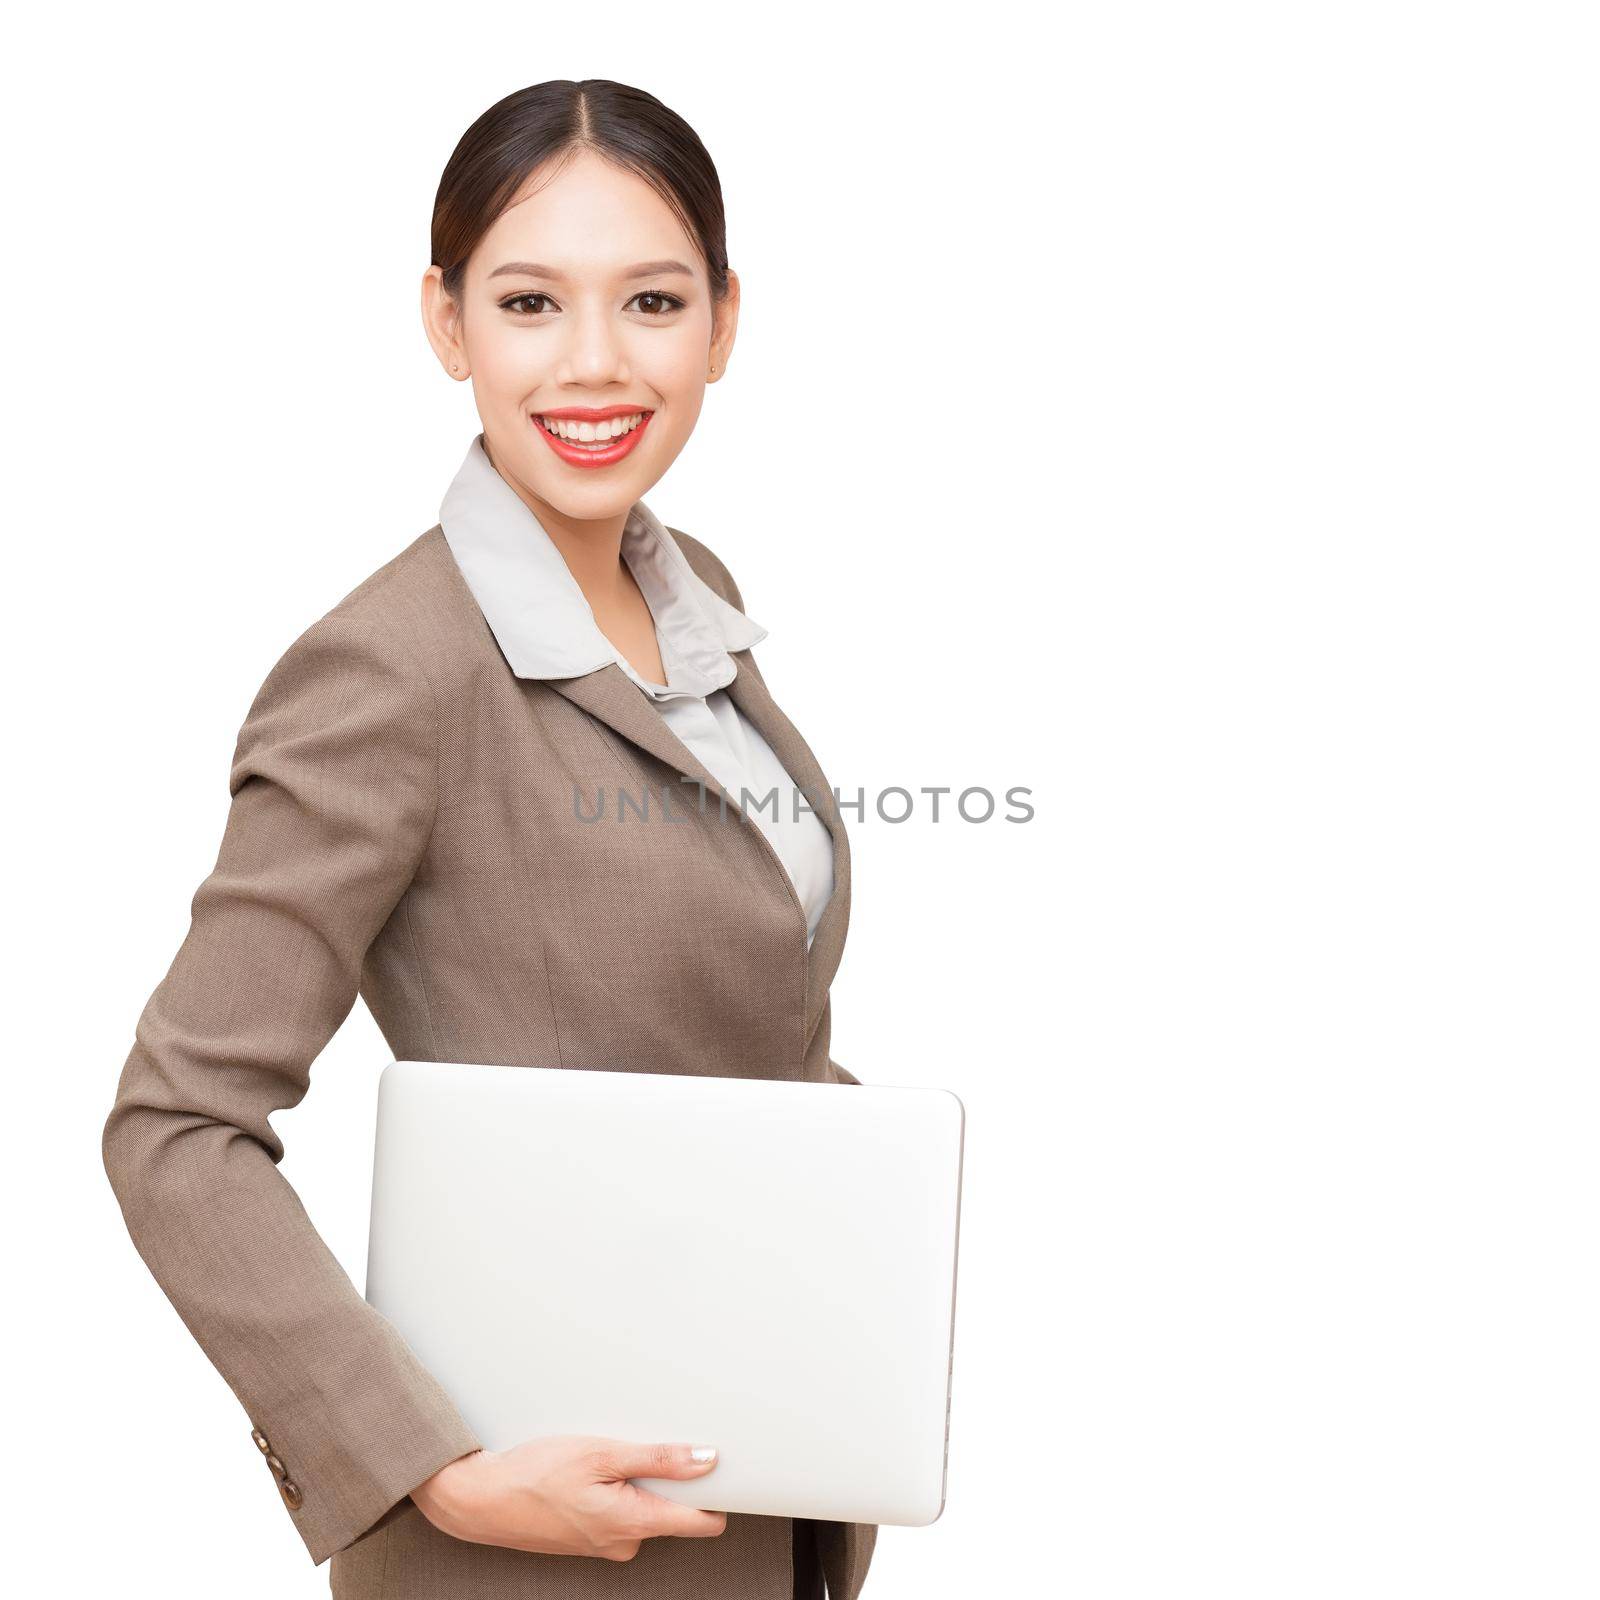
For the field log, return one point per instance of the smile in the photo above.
(583, 440)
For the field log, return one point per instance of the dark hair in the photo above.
(627, 126)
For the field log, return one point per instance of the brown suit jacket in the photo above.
(403, 826)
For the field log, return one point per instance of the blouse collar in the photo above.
(537, 611)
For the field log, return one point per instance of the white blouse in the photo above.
(546, 629)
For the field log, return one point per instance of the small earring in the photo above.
(452, 366)
(713, 367)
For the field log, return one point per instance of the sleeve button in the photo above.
(277, 1466)
(292, 1495)
(262, 1443)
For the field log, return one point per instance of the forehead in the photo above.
(585, 216)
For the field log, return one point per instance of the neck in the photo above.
(592, 550)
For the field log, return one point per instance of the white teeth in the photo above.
(592, 432)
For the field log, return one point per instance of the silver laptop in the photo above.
(763, 1265)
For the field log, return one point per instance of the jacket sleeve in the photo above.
(842, 1076)
(334, 785)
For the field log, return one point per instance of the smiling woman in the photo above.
(402, 827)
(593, 285)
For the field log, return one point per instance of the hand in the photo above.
(567, 1495)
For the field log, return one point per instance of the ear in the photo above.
(724, 325)
(441, 321)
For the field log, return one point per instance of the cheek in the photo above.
(675, 370)
(673, 365)
(681, 410)
(504, 365)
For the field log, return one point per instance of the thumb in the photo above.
(621, 1458)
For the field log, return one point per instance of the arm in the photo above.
(334, 784)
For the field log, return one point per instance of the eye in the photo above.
(666, 302)
(518, 302)
(533, 303)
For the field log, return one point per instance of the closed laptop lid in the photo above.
(764, 1265)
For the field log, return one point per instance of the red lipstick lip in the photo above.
(576, 455)
(591, 413)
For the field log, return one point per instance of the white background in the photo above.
(1188, 412)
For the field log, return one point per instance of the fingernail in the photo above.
(704, 1452)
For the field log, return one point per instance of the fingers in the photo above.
(622, 1458)
(660, 1516)
(652, 1515)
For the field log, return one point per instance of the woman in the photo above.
(437, 803)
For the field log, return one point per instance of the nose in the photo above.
(594, 355)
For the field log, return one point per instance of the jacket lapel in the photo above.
(611, 696)
(749, 693)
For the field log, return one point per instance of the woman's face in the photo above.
(586, 294)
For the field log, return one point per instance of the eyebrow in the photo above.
(537, 269)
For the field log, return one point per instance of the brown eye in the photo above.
(662, 302)
(519, 303)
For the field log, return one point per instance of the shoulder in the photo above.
(417, 598)
(408, 619)
(376, 674)
(708, 566)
